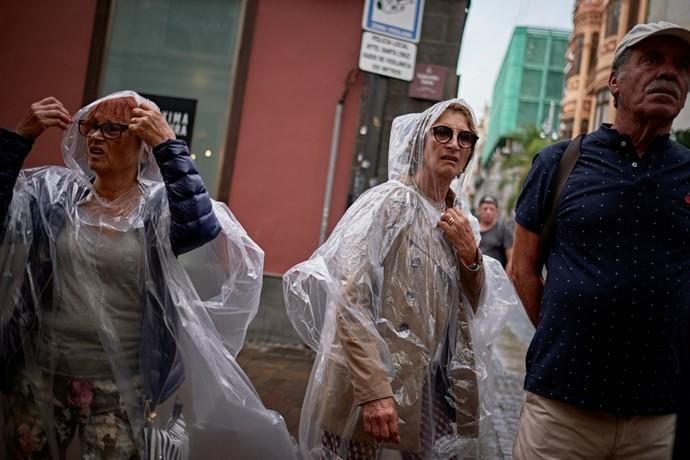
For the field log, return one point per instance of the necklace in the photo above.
(440, 206)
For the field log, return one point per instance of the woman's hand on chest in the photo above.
(458, 231)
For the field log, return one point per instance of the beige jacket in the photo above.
(421, 278)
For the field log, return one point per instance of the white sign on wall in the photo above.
(400, 19)
(387, 56)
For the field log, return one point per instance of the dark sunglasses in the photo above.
(443, 134)
(108, 129)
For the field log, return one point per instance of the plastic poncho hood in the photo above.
(74, 150)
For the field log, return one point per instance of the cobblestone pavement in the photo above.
(280, 374)
(509, 360)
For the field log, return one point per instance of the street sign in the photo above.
(429, 82)
(400, 19)
(386, 56)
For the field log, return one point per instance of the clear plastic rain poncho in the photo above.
(57, 256)
(386, 307)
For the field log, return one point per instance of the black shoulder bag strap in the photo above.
(565, 167)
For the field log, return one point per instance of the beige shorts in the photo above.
(553, 430)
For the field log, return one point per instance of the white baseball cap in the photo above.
(643, 31)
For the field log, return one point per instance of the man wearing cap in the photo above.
(497, 239)
(607, 367)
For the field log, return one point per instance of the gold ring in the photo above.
(451, 220)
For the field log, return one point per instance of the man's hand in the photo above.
(526, 271)
(381, 420)
(150, 126)
(42, 115)
(458, 231)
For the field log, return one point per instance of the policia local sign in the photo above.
(388, 57)
(178, 112)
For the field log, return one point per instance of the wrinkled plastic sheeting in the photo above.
(499, 301)
(14, 255)
(227, 414)
(385, 290)
(306, 287)
(231, 290)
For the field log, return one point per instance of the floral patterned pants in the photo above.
(91, 408)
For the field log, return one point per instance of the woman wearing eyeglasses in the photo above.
(101, 324)
(400, 305)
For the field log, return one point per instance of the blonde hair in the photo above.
(464, 110)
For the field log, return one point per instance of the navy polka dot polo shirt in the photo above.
(614, 322)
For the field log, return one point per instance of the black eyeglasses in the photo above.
(108, 129)
(443, 134)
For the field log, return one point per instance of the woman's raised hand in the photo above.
(380, 419)
(458, 231)
(42, 115)
(150, 126)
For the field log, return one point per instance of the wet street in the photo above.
(280, 374)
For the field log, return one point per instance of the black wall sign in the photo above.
(179, 113)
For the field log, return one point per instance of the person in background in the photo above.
(497, 238)
(607, 369)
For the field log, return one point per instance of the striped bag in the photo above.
(169, 443)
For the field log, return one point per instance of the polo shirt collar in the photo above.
(612, 138)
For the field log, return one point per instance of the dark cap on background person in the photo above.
(488, 199)
(653, 29)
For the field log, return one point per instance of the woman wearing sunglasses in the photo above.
(101, 322)
(400, 305)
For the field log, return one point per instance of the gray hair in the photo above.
(617, 67)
